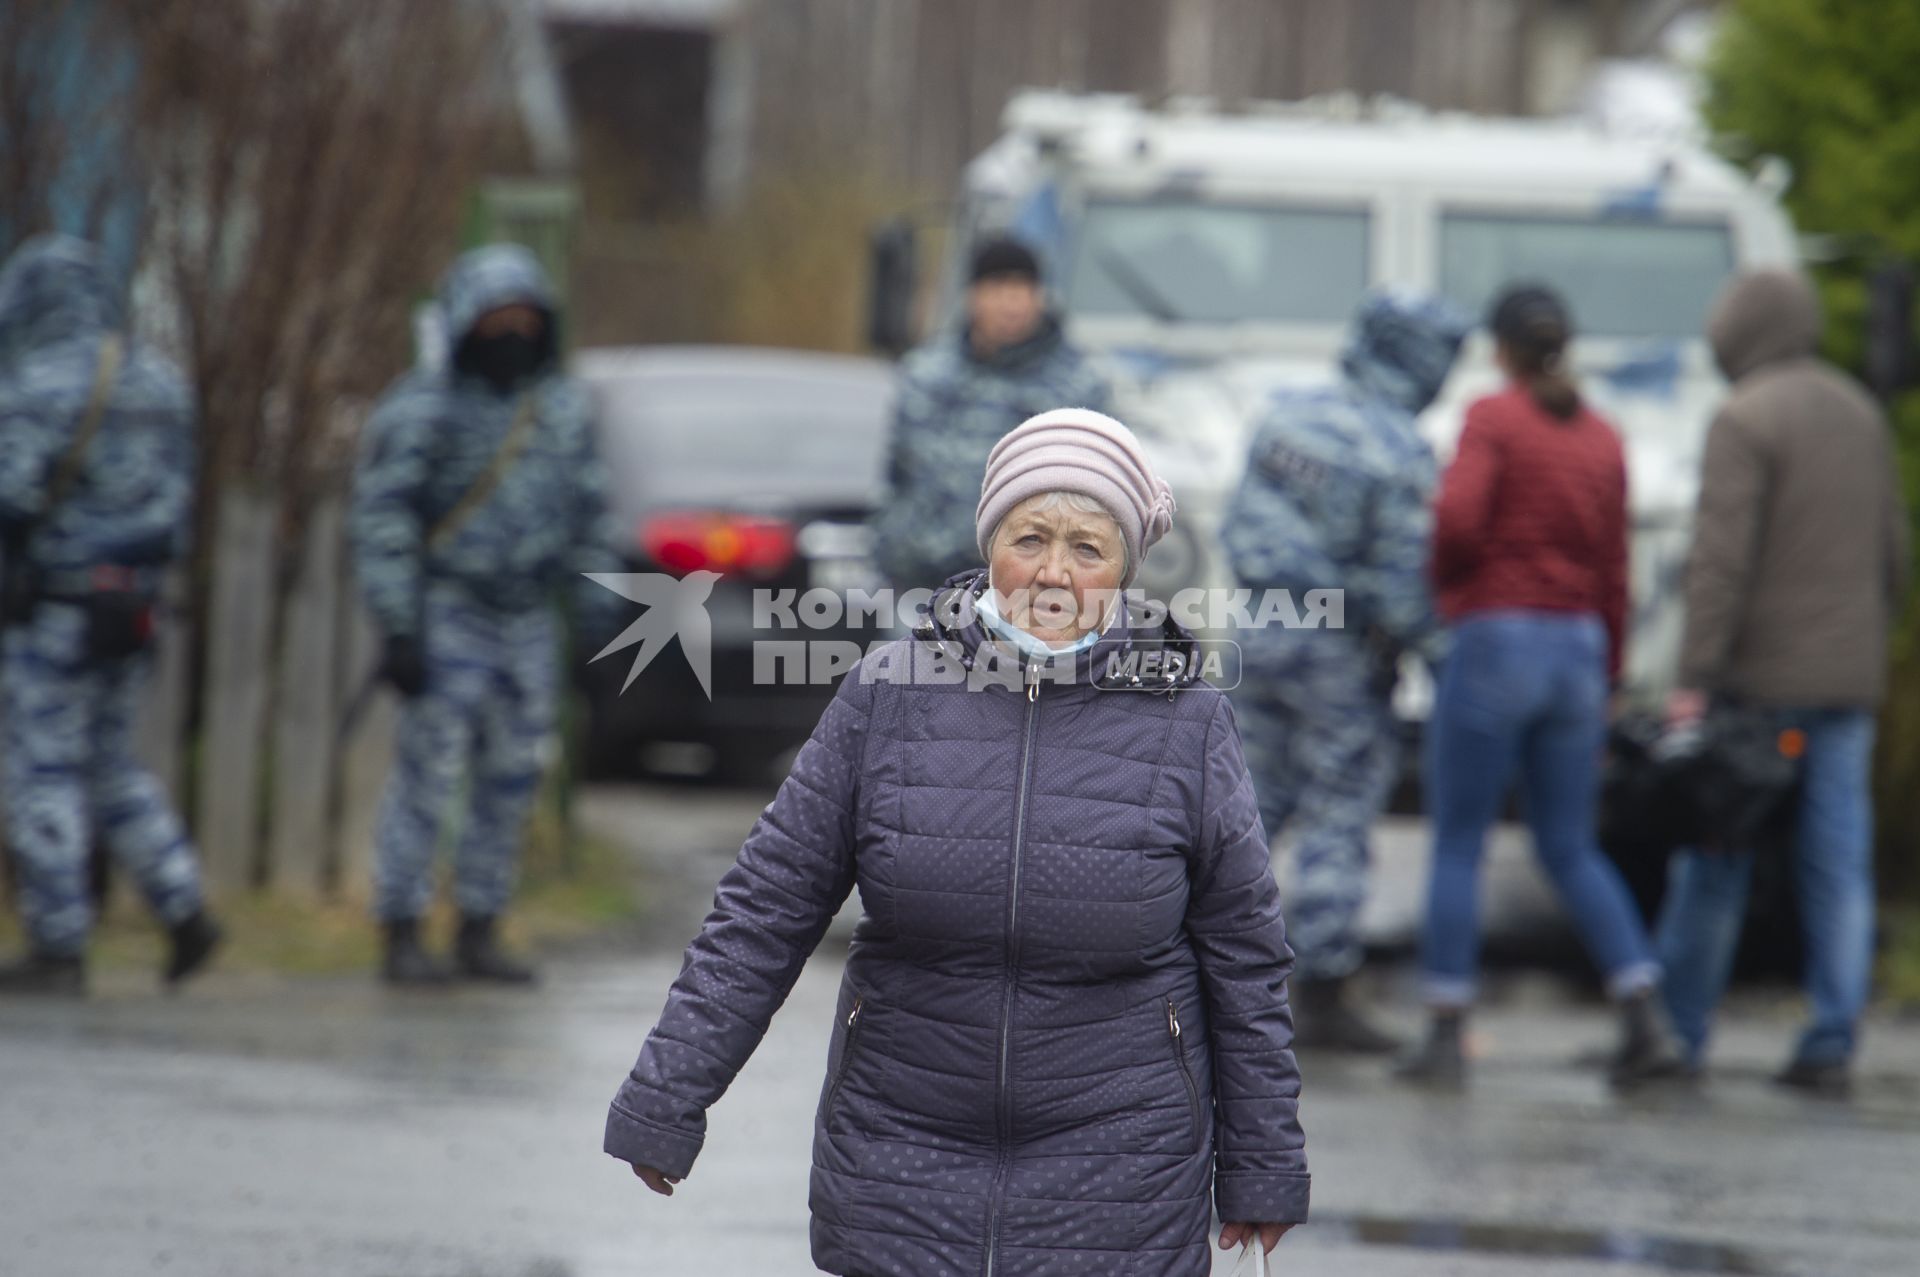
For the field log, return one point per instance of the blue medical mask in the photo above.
(987, 606)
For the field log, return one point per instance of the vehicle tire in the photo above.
(752, 762)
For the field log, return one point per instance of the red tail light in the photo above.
(691, 541)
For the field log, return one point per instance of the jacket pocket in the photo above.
(846, 1057)
(1179, 1047)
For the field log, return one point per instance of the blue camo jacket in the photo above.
(129, 503)
(953, 406)
(1338, 487)
(432, 436)
(1063, 1029)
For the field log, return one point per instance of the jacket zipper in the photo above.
(846, 1055)
(1003, 1102)
(1186, 1074)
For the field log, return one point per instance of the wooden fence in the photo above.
(282, 799)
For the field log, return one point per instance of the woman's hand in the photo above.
(1233, 1235)
(663, 1184)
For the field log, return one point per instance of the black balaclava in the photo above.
(505, 361)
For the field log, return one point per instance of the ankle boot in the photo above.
(1324, 1019)
(480, 956)
(1827, 1079)
(1648, 1050)
(50, 974)
(191, 942)
(406, 962)
(1441, 1062)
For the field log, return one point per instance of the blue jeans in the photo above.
(1523, 692)
(1833, 866)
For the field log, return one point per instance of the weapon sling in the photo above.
(515, 442)
(443, 528)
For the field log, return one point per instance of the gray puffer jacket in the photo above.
(1064, 1017)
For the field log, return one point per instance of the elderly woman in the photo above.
(1063, 1025)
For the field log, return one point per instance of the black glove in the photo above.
(1383, 665)
(404, 665)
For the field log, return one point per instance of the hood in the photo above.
(484, 279)
(54, 287)
(1403, 346)
(943, 627)
(1762, 318)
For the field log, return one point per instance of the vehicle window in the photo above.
(1184, 261)
(1621, 279)
(688, 438)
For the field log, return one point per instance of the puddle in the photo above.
(1613, 1246)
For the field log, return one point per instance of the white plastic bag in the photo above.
(1259, 1250)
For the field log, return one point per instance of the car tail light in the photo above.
(692, 541)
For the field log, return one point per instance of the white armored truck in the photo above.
(1212, 257)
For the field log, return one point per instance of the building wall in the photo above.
(908, 90)
(911, 89)
(637, 99)
(821, 116)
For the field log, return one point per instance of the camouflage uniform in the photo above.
(1337, 494)
(480, 602)
(953, 406)
(68, 717)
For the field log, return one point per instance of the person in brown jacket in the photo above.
(1799, 564)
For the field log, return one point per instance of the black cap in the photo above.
(1530, 317)
(1004, 258)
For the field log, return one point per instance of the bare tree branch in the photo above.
(309, 164)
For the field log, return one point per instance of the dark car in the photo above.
(758, 465)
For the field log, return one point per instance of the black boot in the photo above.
(191, 942)
(1441, 1062)
(1831, 1080)
(1648, 1051)
(1325, 1020)
(406, 962)
(480, 956)
(54, 974)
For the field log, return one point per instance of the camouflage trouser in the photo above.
(71, 774)
(475, 736)
(1324, 752)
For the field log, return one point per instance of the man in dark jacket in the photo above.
(958, 396)
(96, 477)
(1799, 563)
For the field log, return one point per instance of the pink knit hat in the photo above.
(1077, 450)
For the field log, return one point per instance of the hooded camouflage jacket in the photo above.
(436, 433)
(953, 406)
(128, 504)
(1339, 484)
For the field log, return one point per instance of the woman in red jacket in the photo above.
(1530, 572)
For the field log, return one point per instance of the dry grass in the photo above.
(1899, 975)
(284, 934)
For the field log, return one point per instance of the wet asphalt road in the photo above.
(328, 1127)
